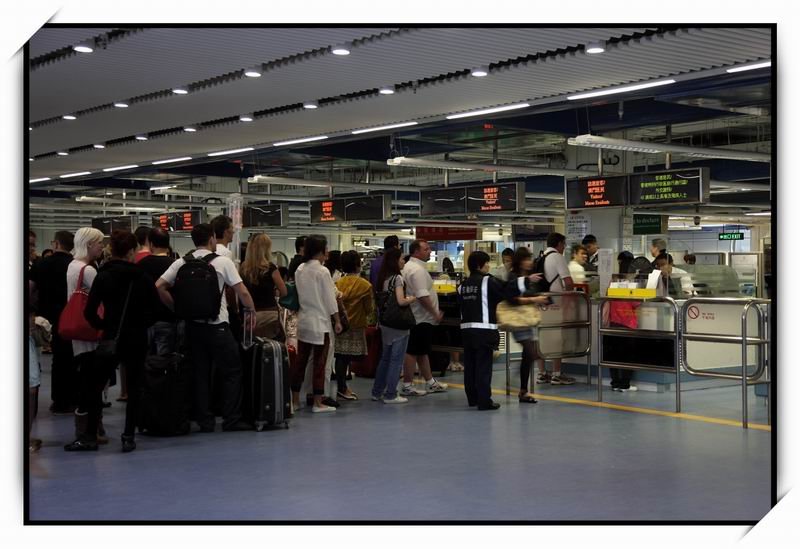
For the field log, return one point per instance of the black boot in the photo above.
(82, 443)
(128, 443)
(101, 431)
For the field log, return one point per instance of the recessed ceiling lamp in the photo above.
(488, 111)
(341, 49)
(99, 146)
(78, 174)
(170, 160)
(121, 105)
(389, 127)
(386, 90)
(595, 47)
(117, 168)
(296, 141)
(751, 67)
(232, 151)
(69, 117)
(30, 159)
(62, 153)
(181, 90)
(622, 89)
(30, 128)
(480, 72)
(310, 105)
(83, 47)
(141, 137)
(189, 129)
(246, 117)
(253, 72)
(39, 180)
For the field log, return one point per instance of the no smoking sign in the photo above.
(693, 312)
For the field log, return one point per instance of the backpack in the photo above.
(196, 290)
(542, 285)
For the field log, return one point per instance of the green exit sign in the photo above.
(731, 236)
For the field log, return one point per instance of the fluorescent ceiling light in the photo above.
(588, 140)
(121, 105)
(62, 153)
(751, 67)
(499, 168)
(99, 146)
(595, 47)
(189, 129)
(181, 90)
(246, 117)
(39, 180)
(622, 89)
(488, 111)
(760, 214)
(389, 127)
(141, 137)
(69, 117)
(165, 187)
(181, 159)
(310, 105)
(232, 151)
(296, 141)
(66, 175)
(341, 49)
(253, 72)
(480, 72)
(83, 47)
(121, 168)
(386, 90)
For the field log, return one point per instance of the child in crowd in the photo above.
(39, 336)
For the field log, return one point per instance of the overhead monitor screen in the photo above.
(449, 201)
(501, 197)
(687, 186)
(596, 192)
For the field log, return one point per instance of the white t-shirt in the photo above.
(317, 296)
(226, 274)
(224, 251)
(555, 267)
(73, 272)
(420, 284)
(577, 271)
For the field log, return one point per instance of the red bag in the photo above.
(72, 324)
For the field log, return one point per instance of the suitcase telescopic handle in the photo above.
(247, 330)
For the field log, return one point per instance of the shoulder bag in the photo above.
(72, 324)
(517, 317)
(392, 314)
(107, 348)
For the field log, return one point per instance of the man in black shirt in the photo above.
(48, 278)
(297, 260)
(163, 336)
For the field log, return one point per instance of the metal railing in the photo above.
(587, 324)
(761, 342)
(639, 334)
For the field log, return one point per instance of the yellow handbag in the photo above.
(517, 317)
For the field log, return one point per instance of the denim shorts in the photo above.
(528, 334)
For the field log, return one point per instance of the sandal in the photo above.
(528, 399)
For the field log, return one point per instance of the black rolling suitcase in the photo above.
(265, 376)
(166, 396)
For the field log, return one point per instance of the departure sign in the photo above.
(596, 192)
(164, 222)
(178, 221)
(689, 186)
(501, 197)
(449, 201)
(327, 211)
(266, 215)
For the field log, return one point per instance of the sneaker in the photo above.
(376, 399)
(543, 378)
(436, 387)
(322, 409)
(396, 400)
(562, 380)
(628, 390)
(411, 391)
(455, 367)
(347, 396)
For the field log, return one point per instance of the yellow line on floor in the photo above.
(595, 404)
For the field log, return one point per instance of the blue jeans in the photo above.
(389, 368)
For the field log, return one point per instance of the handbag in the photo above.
(291, 300)
(72, 324)
(517, 317)
(107, 348)
(392, 314)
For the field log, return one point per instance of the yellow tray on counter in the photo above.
(445, 288)
(631, 292)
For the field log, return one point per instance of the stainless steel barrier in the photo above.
(587, 324)
(641, 334)
(762, 342)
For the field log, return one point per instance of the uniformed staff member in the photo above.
(479, 295)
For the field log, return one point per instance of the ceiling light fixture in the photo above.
(99, 146)
(181, 90)
(69, 117)
(62, 153)
(488, 111)
(599, 142)
(341, 49)
(622, 89)
(310, 105)
(164, 188)
(83, 47)
(232, 151)
(595, 47)
(170, 160)
(253, 72)
(189, 129)
(499, 168)
(389, 127)
(246, 117)
(304, 140)
(743, 68)
(117, 168)
(759, 214)
(386, 90)
(66, 175)
(141, 137)
(121, 105)
(39, 180)
(480, 72)
(30, 128)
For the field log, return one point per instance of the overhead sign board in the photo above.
(687, 186)
(265, 215)
(448, 234)
(449, 201)
(731, 236)
(178, 221)
(490, 197)
(650, 224)
(107, 225)
(596, 192)
(376, 207)
(327, 211)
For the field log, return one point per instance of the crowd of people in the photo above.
(141, 301)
